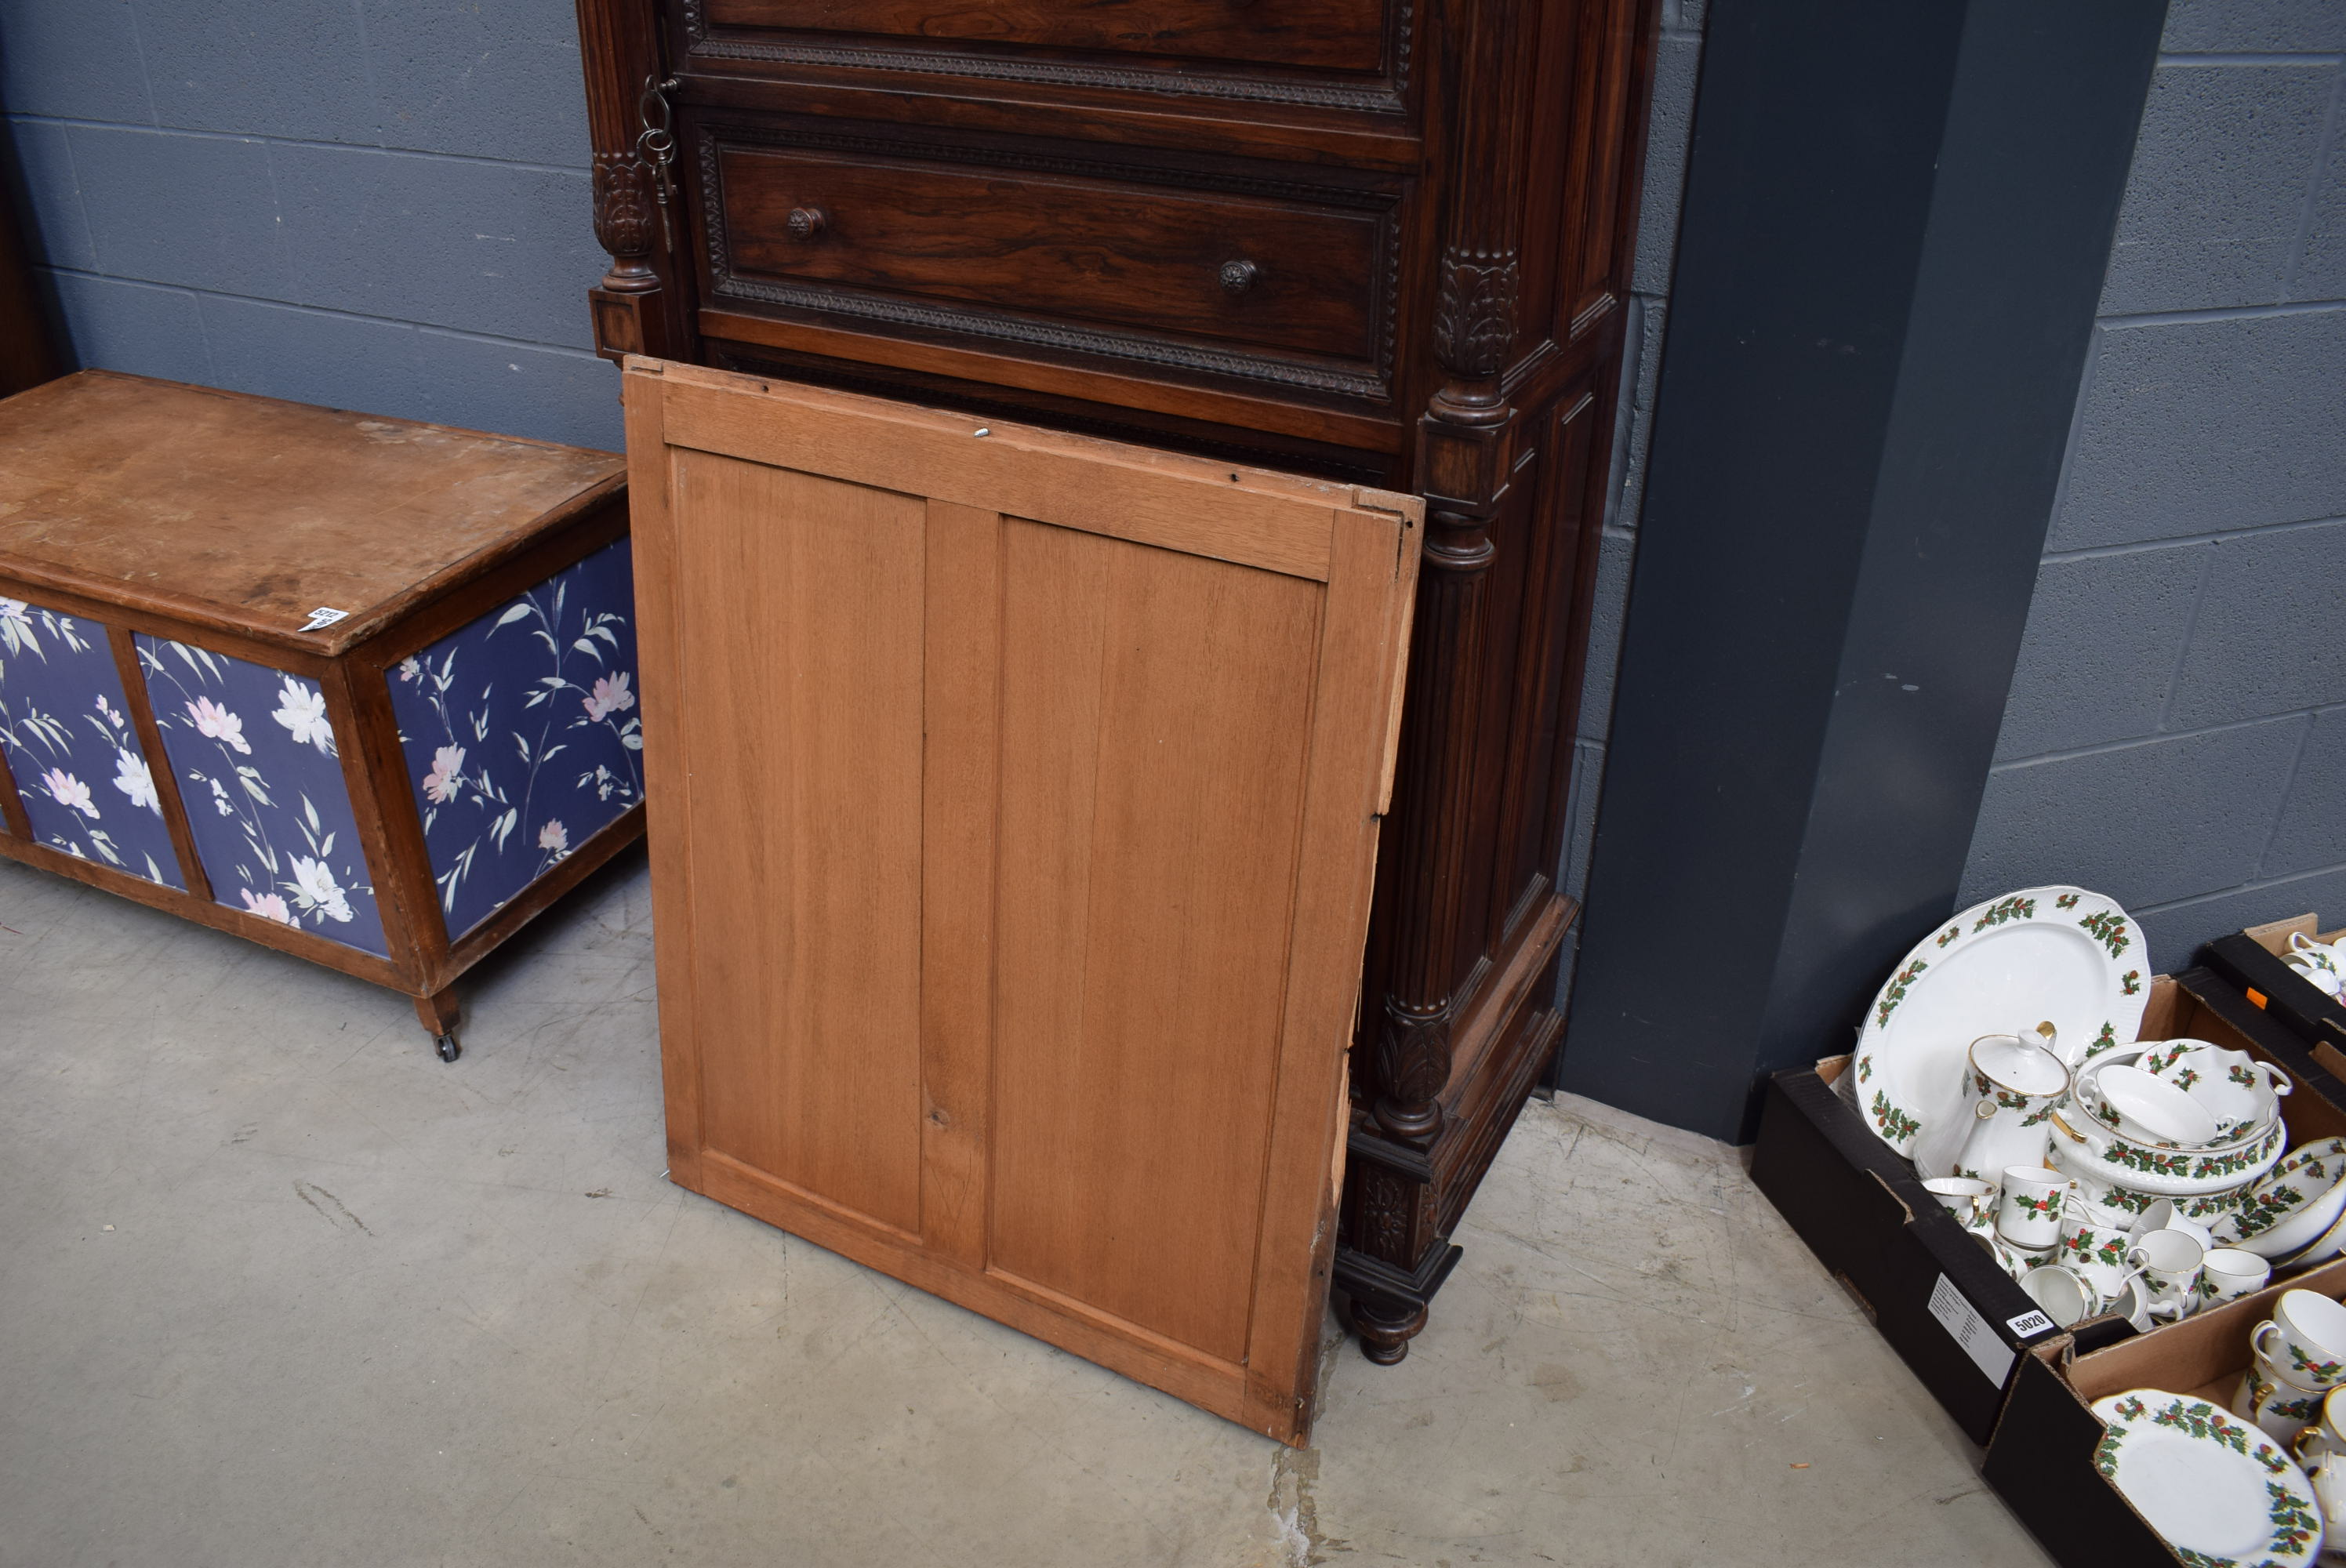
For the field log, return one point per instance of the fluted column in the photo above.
(1463, 448)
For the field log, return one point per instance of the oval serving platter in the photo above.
(2057, 954)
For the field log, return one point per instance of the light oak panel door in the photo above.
(1012, 805)
(803, 654)
(1155, 714)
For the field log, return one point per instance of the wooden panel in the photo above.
(1155, 716)
(1011, 876)
(963, 704)
(1330, 35)
(1101, 486)
(1094, 250)
(800, 643)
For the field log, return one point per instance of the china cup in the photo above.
(2305, 1339)
(2323, 1439)
(2132, 1303)
(2166, 1214)
(2227, 1272)
(2064, 1293)
(2028, 1214)
(2316, 961)
(2329, 1479)
(1968, 1199)
(2095, 1248)
(2171, 1260)
(2274, 1403)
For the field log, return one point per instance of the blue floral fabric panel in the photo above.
(522, 734)
(71, 747)
(259, 770)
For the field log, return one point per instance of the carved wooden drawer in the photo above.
(1265, 279)
(1150, 45)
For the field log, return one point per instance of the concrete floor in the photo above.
(276, 1286)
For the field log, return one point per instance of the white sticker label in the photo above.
(321, 617)
(1971, 1331)
(2029, 1323)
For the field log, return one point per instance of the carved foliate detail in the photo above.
(1412, 1068)
(624, 218)
(1474, 318)
(1387, 1206)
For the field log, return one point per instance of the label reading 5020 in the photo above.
(1978, 1337)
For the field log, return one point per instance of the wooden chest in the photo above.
(1379, 241)
(357, 688)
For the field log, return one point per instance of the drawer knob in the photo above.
(1238, 276)
(806, 222)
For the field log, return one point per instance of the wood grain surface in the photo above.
(1082, 250)
(1011, 866)
(224, 510)
(1332, 34)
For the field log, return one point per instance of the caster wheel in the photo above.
(449, 1049)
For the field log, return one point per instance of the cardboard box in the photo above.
(2041, 1461)
(1955, 1318)
(2251, 961)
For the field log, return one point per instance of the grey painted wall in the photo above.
(375, 204)
(1677, 60)
(2176, 734)
(382, 205)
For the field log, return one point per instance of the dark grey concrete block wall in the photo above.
(1676, 61)
(2176, 734)
(375, 204)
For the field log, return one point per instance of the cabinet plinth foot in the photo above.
(1386, 1329)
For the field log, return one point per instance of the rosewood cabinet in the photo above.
(1380, 241)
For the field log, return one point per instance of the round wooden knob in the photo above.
(806, 222)
(1238, 276)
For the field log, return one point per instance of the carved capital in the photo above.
(624, 219)
(1475, 317)
(1412, 1068)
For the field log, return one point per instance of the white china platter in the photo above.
(2053, 953)
(2213, 1486)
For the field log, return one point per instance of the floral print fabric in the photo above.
(72, 749)
(522, 734)
(259, 770)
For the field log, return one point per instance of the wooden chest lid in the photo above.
(245, 512)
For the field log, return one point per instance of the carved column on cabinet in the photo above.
(1466, 443)
(636, 309)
